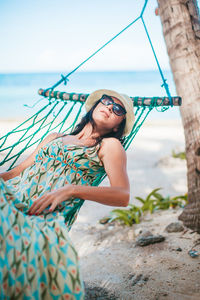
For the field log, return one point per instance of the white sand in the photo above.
(108, 256)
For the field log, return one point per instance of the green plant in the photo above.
(180, 155)
(125, 216)
(155, 201)
(181, 201)
(152, 202)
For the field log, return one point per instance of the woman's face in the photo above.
(105, 118)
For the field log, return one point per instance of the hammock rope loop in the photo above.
(65, 79)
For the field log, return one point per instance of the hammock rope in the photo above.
(164, 84)
(49, 118)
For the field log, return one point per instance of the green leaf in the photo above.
(140, 199)
(180, 155)
(152, 193)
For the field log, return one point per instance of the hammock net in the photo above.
(61, 111)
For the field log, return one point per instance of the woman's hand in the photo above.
(54, 198)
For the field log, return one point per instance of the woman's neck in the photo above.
(88, 133)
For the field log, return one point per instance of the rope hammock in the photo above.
(63, 111)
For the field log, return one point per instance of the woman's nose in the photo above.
(110, 106)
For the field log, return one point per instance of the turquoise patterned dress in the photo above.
(37, 257)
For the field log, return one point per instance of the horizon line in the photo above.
(80, 71)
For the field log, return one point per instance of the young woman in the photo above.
(41, 197)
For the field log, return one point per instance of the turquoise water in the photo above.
(19, 89)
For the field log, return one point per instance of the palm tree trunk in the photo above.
(181, 29)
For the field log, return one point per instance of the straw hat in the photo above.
(126, 100)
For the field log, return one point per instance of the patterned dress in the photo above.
(37, 257)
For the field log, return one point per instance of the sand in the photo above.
(111, 264)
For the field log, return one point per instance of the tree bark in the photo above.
(181, 29)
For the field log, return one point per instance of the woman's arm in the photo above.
(114, 159)
(28, 161)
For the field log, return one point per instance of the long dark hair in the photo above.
(89, 119)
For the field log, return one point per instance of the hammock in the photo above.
(63, 110)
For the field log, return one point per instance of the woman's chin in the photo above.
(102, 123)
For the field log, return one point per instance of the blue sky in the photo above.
(49, 35)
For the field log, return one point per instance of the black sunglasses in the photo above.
(117, 108)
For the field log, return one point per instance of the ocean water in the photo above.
(19, 90)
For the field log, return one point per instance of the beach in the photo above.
(111, 264)
(144, 49)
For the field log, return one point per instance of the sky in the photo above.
(54, 36)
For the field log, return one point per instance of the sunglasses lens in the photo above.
(106, 100)
(117, 108)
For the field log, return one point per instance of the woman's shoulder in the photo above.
(53, 135)
(111, 144)
(50, 137)
(111, 141)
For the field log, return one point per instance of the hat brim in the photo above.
(126, 100)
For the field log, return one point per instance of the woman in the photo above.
(41, 197)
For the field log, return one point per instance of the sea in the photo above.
(19, 91)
